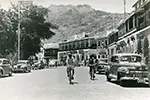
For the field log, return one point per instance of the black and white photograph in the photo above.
(74, 49)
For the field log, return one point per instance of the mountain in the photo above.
(77, 19)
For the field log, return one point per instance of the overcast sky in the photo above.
(115, 6)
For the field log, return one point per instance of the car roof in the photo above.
(126, 54)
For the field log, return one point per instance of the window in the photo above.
(99, 43)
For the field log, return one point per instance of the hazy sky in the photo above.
(106, 5)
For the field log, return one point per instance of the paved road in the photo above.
(52, 84)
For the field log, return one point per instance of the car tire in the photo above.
(118, 78)
(1, 73)
(10, 74)
(108, 78)
(120, 82)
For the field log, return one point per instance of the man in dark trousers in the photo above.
(92, 67)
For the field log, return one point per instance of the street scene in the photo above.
(52, 84)
(71, 50)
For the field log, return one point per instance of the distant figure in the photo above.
(92, 67)
(70, 67)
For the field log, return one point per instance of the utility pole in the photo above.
(125, 9)
(19, 30)
(23, 3)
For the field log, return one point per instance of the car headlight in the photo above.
(126, 71)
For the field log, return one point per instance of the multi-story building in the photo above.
(112, 42)
(51, 51)
(102, 44)
(134, 32)
(81, 48)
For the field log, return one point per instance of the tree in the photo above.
(7, 34)
(34, 28)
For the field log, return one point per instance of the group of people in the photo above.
(92, 63)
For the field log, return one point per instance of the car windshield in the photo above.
(131, 59)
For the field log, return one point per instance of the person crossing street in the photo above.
(70, 68)
(92, 67)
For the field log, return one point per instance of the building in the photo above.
(102, 44)
(133, 35)
(81, 48)
(51, 51)
(112, 41)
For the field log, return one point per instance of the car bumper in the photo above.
(18, 70)
(138, 79)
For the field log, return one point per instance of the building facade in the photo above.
(80, 48)
(51, 51)
(102, 44)
(133, 35)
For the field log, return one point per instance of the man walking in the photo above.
(92, 67)
(70, 67)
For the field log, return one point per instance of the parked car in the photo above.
(123, 67)
(5, 67)
(36, 65)
(52, 63)
(101, 66)
(22, 66)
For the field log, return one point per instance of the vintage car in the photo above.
(36, 65)
(5, 67)
(52, 63)
(22, 66)
(101, 66)
(125, 66)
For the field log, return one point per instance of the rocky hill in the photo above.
(81, 18)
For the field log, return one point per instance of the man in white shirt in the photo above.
(70, 66)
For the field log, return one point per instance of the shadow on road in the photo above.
(131, 84)
(19, 72)
(1, 77)
(73, 83)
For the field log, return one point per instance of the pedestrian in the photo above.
(96, 64)
(70, 66)
(92, 67)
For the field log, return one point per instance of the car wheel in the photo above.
(108, 78)
(120, 82)
(118, 77)
(1, 73)
(10, 74)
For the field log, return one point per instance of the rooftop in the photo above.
(51, 45)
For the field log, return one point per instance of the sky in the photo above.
(114, 6)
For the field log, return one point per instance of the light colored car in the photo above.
(22, 66)
(123, 67)
(52, 63)
(5, 67)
